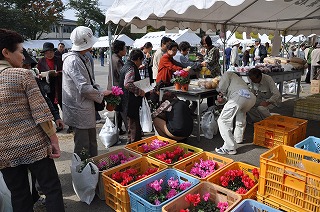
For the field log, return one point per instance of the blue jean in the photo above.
(102, 61)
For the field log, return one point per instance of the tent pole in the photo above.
(111, 75)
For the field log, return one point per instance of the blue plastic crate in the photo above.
(250, 205)
(311, 144)
(138, 193)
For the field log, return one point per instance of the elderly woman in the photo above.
(168, 65)
(28, 140)
(173, 118)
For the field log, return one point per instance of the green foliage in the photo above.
(31, 18)
(112, 99)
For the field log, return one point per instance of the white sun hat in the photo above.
(236, 42)
(82, 38)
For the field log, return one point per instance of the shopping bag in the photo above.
(84, 180)
(5, 196)
(108, 134)
(145, 116)
(209, 125)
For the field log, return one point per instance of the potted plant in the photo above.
(114, 98)
(181, 78)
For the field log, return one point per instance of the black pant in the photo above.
(307, 80)
(134, 129)
(45, 172)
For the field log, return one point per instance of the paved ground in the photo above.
(247, 152)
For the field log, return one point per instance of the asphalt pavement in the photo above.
(246, 152)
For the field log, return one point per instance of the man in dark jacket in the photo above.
(260, 52)
(132, 98)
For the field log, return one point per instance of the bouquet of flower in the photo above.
(116, 159)
(115, 97)
(131, 175)
(181, 77)
(173, 156)
(238, 181)
(205, 204)
(155, 144)
(204, 168)
(171, 189)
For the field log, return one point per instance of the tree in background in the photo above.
(31, 18)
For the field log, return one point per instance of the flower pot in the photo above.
(177, 86)
(185, 87)
(110, 107)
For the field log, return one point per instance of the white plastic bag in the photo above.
(85, 182)
(5, 196)
(145, 116)
(209, 125)
(108, 134)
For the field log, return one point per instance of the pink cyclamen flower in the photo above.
(156, 185)
(206, 196)
(157, 202)
(117, 91)
(184, 186)
(223, 206)
(171, 193)
(172, 183)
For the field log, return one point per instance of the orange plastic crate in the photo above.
(186, 165)
(106, 157)
(275, 204)
(268, 133)
(136, 146)
(217, 194)
(187, 148)
(300, 123)
(116, 195)
(246, 168)
(291, 177)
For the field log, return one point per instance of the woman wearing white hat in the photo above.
(234, 53)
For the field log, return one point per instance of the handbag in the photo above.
(97, 106)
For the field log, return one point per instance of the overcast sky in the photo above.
(70, 14)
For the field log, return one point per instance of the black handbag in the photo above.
(97, 106)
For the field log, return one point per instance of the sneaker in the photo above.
(122, 132)
(223, 151)
(98, 121)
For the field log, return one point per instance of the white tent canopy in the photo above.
(38, 44)
(155, 38)
(290, 16)
(104, 41)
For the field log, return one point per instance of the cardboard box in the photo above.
(314, 90)
(315, 83)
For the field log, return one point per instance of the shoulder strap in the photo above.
(84, 62)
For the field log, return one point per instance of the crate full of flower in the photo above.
(204, 197)
(175, 154)
(203, 165)
(118, 179)
(153, 193)
(150, 145)
(290, 178)
(239, 177)
(109, 160)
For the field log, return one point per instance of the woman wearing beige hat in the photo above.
(79, 91)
